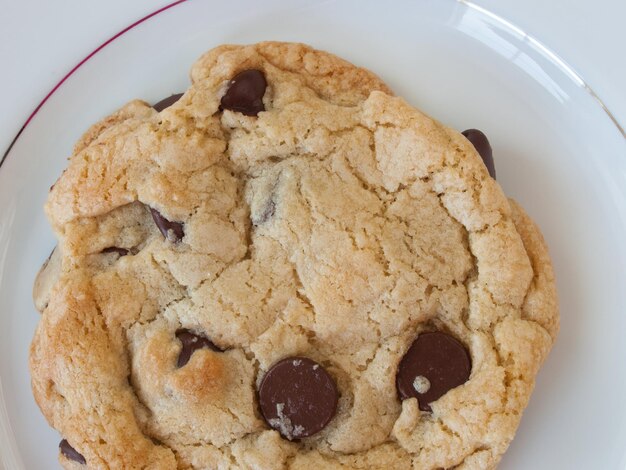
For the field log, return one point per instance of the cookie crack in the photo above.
(476, 450)
(129, 385)
(472, 275)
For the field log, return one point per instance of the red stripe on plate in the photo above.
(77, 66)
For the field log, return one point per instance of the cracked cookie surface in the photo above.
(334, 222)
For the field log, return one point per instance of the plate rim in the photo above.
(562, 65)
(80, 63)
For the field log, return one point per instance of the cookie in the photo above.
(286, 267)
(46, 278)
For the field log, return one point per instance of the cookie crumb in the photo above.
(421, 384)
(284, 424)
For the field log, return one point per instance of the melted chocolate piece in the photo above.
(191, 342)
(298, 397)
(167, 102)
(173, 231)
(115, 249)
(71, 453)
(483, 147)
(245, 93)
(435, 363)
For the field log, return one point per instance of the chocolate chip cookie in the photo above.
(287, 267)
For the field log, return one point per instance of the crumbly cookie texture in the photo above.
(336, 225)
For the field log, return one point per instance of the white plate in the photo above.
(556, 149)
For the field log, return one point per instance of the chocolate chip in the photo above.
(435, 363)
(167, 102)
(115, 249)
(482, 146)
(173, 231)
(191, 342)
(71, 453)
(298, 397)
(245, 93)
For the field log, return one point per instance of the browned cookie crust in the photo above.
(315, 218)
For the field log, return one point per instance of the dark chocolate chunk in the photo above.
(115, 249)
(71, 453)
(435, 363)
(483, 147)
(298, 397)
(173, 231)
(191, 342)
(245, 93)
(167, 102)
